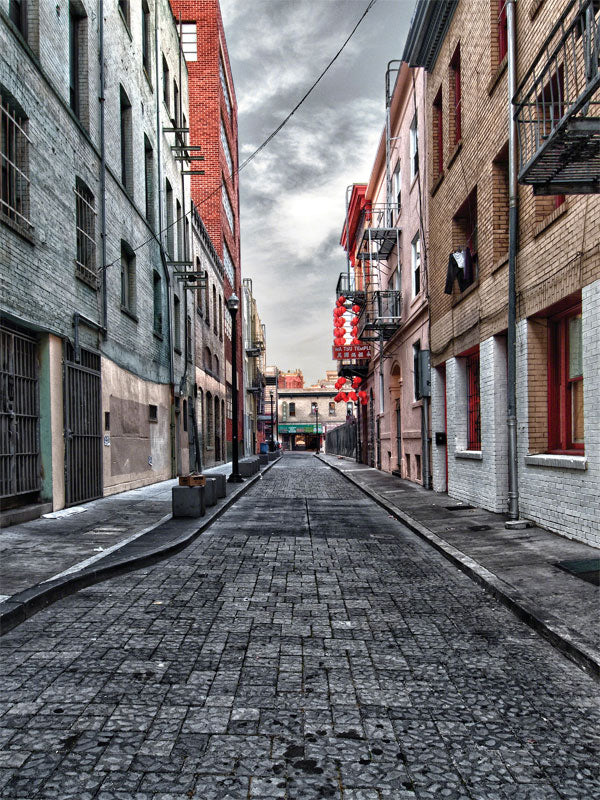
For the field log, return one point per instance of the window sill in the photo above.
(457, 298)
(534, 7)
(19, 229)
(555, 461)
(500, 70)
(126, 24)
(437, 183)
(417, 404)
(177, 350)
(157, 335)
(471, 455)
(413, 181)
(129, 313)
(455, 152)
(550, 218)
(500, 263)
(418, 298)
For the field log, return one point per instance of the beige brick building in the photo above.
(557, 276)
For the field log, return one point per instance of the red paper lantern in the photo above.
(356, 382)
(344, 396)
(354, 330)
(354, 321)
(341, 300)
(364, 402)
(355, 341)
(352, 396)
(355, 308)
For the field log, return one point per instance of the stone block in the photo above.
(249, 467)
(188, 501)
(211, 491)
(263, 459)
(221, 485)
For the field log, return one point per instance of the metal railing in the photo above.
(341, 441)
(382, 312)
(559, 139)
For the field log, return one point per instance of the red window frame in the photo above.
(561, 386)
(455, 67)
(473, 402)
(502, 31)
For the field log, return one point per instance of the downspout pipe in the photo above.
(103, 174)
(348, 191)
(513, 230)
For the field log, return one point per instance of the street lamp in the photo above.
(233, 304)
(272, 442)
(317, 429)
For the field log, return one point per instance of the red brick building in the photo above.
(213, 127)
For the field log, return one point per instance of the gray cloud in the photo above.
(292, 194)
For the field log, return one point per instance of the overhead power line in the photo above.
(269, 138)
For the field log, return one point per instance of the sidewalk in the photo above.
(517, 566)
(46, 559)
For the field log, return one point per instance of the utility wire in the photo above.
(156, 236)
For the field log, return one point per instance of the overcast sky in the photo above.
(293, 194)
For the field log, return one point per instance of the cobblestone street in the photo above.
(306, 646)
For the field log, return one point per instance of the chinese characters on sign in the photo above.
(341, 352)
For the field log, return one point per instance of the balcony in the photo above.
(557, 107)
(345, 288)
(381, 315)
(380, 237)
(254, 348)
(256, 381)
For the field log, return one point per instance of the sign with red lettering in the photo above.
(344, 351)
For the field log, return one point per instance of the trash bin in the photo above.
(264, 447)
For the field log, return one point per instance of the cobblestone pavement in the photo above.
(307, 646)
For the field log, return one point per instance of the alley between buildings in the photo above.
(307, 645)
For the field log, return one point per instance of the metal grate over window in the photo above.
(85, 220)
(14, 150)
(473, 403)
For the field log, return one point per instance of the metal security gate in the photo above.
(83, 426)
(19, 415)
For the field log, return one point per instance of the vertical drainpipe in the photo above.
(163, 259)
(513, 222)
(103, 175)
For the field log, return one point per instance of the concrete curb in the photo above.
(565, 639)
(25, 604)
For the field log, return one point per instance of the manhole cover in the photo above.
(479, 527)
(588, 569)
(459, 508)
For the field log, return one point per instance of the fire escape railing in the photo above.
(557, 107)
(381, 314)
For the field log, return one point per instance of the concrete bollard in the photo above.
(249, 467)
(210, 492)
(188, 501)
(221, 484)
(263, 459)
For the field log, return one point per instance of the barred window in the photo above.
(85, 221)
(189, 41)
(228, 264)
(225, 87)
(473, 403)
(14, 150)
(128, 282)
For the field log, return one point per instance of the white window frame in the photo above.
(414, 147)
(416, 264)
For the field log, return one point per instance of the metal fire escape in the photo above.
(558, 107)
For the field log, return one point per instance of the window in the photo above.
(185, 415)
(149, 180)
(292, 409)
(473, 402)
(416, 371)
(126, 143)
(214, 308)
(157, 303)
(349, 409)
(128, 286)
(207, 303)
(220, 318)
(226, 149)
(565, 383)
(166, 83)
(502, 30)
(78, 94)
(207, 360)
(177, 323)
(216, 366)
(85, 226)
(314, 408)
(397, 186)
(176, 109)
(416, 265)
(227, 206)
(189, 41)
(229, 396)
(455, 98)
(465, 226)
(224, 86)
(500, 203)
(152, 413)
(200, 290)
(124, 9)
(14, 150)
(169, 219)
(438, 136)
(18, 15)
(146, 40)
(188, 338)
(228, 264)
(414, 147)
(332, 409)
(179, 226)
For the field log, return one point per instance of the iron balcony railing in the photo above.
(557, 106)
(380, 236)
(256, 381)
(254, 348)
(346, 287)
(382, 314)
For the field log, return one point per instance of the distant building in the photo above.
(293, 379)
(254, 371)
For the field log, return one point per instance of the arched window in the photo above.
(216, 366)
(209, 420)
(214, 309)
(207, 360)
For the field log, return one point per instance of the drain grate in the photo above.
(479, 527)
(588, 569)
(459, 508)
